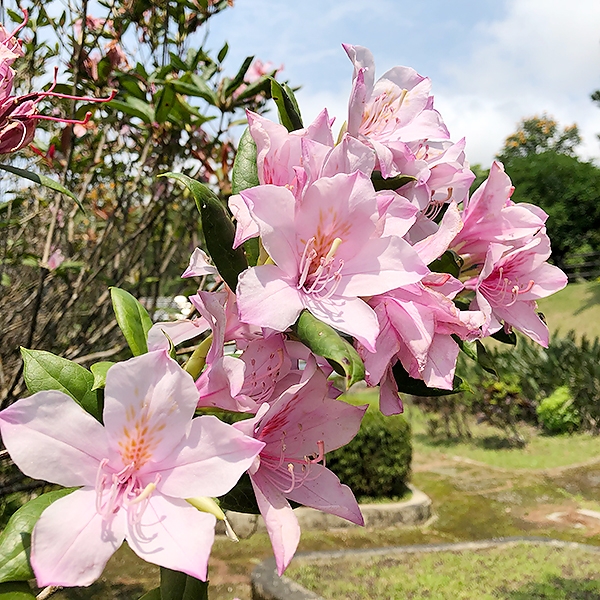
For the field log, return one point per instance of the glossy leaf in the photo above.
(15, 540)
(218, 229)
(223, 52)
(476, 351)
(41, 180)
(134, 107)
(152, 595)
(505, 338)
(16, 590)
(289, 113)
(416, 387)
(325, 341)
(179, 586)
(133, 319)
(391, 183)
(45, 371)
(449, 262)
(237, 81)
(99, 371)
(244, 174)
(165, 103)
(241, 497)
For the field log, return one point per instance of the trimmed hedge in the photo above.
(376, 463)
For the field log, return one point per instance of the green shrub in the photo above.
(376, 463)
(557, 414)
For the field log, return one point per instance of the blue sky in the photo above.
(491, 62)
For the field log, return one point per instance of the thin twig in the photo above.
(47, 592)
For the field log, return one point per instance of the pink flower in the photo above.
(396, 108)
(510, 283)
(417, 323)
(136, 471)
(298, 429)
(327, 253)
(489, 216)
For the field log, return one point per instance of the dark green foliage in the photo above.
(376, 463)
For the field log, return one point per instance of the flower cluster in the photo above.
(375, 236)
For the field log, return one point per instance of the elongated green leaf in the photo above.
(449, 262)
(165, 103)
(325, 341)
(203, 89)
(223, 52)
(505, 338)
(416, 387)
(16, 590)
(235, 83)
(244, 174)
(218, 228)
(476, 351)
(260, 86)
(152, 595)
(45, 371)
(99, 371)
(41, 180)
(179, 586)
(284, 98)
(241, 497)
(134, 107)
(15, 540)
(391, 183)
(133, 320)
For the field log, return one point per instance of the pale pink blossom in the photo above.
(298, 428)
(136, 471)
(327, 253)
(510, 283)
(395, 108)
(490, 216)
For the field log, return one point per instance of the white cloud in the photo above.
(541, 56)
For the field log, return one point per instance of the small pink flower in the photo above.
(298, 428)
(136, 471)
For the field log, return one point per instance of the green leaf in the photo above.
(223, 52)
(133, 320)
(45, 371)
(260, 86)
(135, 107)
(41, 180)
(152, 595)
(505, 338)
(16, 590)
(235, 83)
(15, 540)
(416, 387)
(165, 103)
(241, 497)
(449, 262)
(289, 114)
(476, 351)
(218, 229)
(99, 371)
(179, 586)
(325, 341)
(244, 174)
(391, 183)
(204, 90)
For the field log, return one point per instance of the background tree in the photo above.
(174, 110)
(541, 162)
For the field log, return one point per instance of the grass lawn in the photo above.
(520, 572)
(576, 307)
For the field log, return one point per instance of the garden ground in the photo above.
(480, 489)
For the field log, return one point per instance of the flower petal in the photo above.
(72, 543)
(280, 520)
(50, 437)
(148, 403)
(209, 461)
(173, 534)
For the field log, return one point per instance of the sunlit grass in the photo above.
(517, 573)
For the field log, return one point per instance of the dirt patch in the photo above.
(563, 516)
